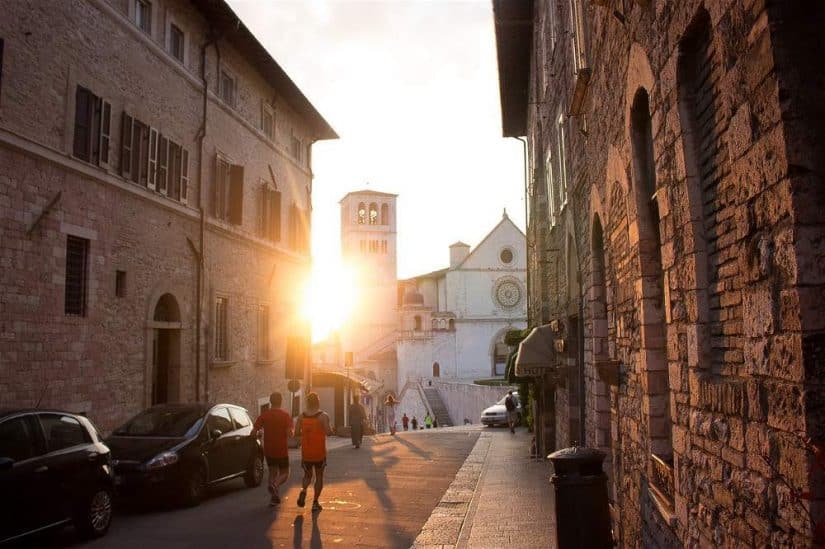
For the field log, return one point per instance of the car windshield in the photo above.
(515, 396)
(163, 422)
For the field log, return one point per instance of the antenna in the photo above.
(39, 400)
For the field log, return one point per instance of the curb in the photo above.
(446, 523)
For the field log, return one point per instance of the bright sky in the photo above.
(412, 89)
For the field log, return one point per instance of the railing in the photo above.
(661, 475)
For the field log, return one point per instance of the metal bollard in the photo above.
(580, 499)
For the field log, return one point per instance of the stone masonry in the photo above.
(676, 231)
(136, 341)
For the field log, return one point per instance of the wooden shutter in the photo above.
(275, 215)
(126, 146)
(163, 166)
(82, 114)
(236, 194)
(184, 176)
(263, 217)
(105, 132)
(152, 160)
(96, 105)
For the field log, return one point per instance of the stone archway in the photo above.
(165, 334)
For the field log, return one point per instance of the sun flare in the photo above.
(329, 298)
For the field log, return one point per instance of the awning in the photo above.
(537, 353)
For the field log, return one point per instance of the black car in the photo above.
(178, 450)
(54, 470)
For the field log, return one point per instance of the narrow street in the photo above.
(378, 496)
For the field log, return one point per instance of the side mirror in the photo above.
(6, 463)
(215, 433)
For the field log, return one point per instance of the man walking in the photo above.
(277, 427)
(357, 415)
(313, 427)
(405, 422)
(414, 423)
(512, 413)
(428, 421)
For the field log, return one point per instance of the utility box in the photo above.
(580, 499)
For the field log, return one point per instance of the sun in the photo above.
(329, 297)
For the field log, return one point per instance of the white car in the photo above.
(497, 413)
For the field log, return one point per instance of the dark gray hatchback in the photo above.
(54, 470)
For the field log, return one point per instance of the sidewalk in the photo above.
(499, 498)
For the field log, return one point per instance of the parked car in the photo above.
(497, 413)
(179, 450)
(54, 470)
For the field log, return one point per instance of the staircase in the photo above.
(437, 406)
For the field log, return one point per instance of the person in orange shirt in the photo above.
(277, 426)
(313, 427)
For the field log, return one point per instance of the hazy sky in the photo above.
(411, 87)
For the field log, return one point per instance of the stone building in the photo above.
(155, 198)
(677, 255)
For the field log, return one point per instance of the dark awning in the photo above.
(536, 353)
(514, 41)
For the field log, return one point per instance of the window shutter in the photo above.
(275, 215)
(184, 176)
(152, 164)
(126, 146)
(105, 132)
(263, 212)
(236, 194)
(163, 166)
(81, 123)
(95, 104)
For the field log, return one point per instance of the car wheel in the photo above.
(255, 473)
(194, 486)
(94, 518)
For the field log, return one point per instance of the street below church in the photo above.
(377, 496)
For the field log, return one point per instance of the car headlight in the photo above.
(162, 460)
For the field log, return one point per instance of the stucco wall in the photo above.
(465, 400)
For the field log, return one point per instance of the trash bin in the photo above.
(580, 499)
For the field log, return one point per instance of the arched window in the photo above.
(385, 214)
(417, 323)
(651, 301)
(436, 369)
(373, 214)
(434, 324)
(362, 213)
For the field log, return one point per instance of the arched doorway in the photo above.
(436, 369)
(166, 350)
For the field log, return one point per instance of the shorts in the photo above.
(308, 466)
(512, 415)
(281, 463)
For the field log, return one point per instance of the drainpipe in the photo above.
(212, 40)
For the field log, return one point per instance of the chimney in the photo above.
(458, 252)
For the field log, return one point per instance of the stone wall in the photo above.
(467, 400)
(101, 363)
(690, 152)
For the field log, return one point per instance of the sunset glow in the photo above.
(329, 297)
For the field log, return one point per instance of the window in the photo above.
(373, 214)
(551, 180)
(561, 148)
(436, 369)
(220, 328)
(270, 213)
(362, 213)
(240, 417)
(502, 351)
(219, 419)
(384, 249)
(295, 148)
(417, 321)
(17, 439)
(298, 229)
(263, 332)
(385, 214)
(227, 88)
(92, 124)
(120, 283)
(63, 432)
(176, 42)
(578, 35)
(153, 160)
(506, 256)
(77, 261)
(268, 120)
(227, 199)
(143, 15)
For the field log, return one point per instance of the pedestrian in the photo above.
(435, 423)
(313, 427)
(357, 416)
(428, 421)
(389, 404)
(512, 413)
(405, 421)
(277, 427)
(414, 423)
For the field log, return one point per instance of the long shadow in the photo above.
(415, 449)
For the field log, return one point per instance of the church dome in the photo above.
(413, 297)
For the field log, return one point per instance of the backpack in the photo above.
(509, 404)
